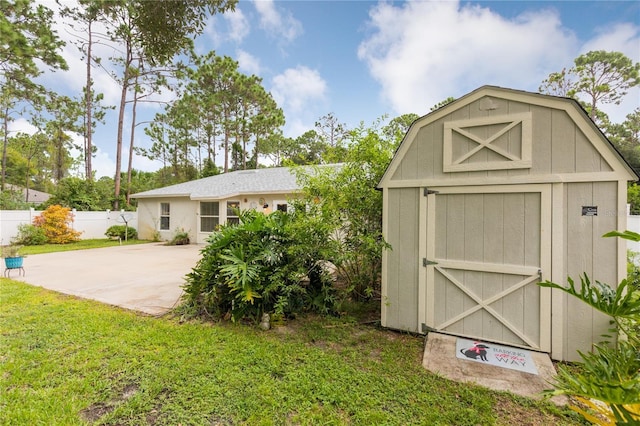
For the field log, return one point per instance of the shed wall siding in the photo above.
(400, 302)
(587, 252)
(560, 146)
(490, 138)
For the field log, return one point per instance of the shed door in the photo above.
(486, 248)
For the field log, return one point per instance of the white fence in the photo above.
(95, 224)
(91, 224)
(633, 224)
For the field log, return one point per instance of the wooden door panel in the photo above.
(487, 254)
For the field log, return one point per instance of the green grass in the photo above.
(80, 245)
(66, 361)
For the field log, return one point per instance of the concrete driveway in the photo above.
(144, 277)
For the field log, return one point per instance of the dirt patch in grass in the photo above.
(154, 414)
(96, 411)
(220, 421)
(509, 412)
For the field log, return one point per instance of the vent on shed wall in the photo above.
(488, 143)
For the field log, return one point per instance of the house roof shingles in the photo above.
(254, 181)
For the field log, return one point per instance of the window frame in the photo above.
(216, 222)
(235, 218)
(165, 216)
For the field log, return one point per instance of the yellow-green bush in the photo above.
(56, 221)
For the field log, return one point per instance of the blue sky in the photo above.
(361, 60)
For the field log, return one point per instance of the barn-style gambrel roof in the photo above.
(495, 133)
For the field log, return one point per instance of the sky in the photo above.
(364, 60)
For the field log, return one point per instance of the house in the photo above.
(489, 195)
(30, 195)
(200, 205)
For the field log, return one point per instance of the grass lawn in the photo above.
(66, 361)
(80, 245)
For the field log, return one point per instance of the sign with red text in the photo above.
(496, 355)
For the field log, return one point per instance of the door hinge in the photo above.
(427, 262)
(427, 191)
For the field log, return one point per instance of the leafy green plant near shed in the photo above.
(261, 265)
(609, 382)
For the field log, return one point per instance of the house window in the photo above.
(233, 208)
(281, 207)
(165, 210)
(209, 216)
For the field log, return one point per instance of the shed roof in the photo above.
(240, 182)
(569, 105)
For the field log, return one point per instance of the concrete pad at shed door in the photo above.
(145, 277)
(440, 357)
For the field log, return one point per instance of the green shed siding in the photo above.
(588, 252)
(399, 304)
(507, 142)
(560, 146)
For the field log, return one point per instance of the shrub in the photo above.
(633, 269)
(180, 238)
(12, 250)
(609, 383)
(122, 231)
(56, 222)
(348, 201)
(258, 266)
(633, 198)
(30, 235)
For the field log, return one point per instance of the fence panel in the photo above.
(91, 224)
(633, 224)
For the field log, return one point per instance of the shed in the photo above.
(489, 195)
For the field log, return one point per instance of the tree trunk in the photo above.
(88, 145)
(256, 152)
(5, 145)
(131, 140)
(59, 157)
(226, 141)
(123, 101)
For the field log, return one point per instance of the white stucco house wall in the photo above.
(199, 206)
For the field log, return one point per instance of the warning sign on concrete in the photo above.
(498, 355)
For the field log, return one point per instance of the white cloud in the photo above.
(237, 29)
(299, 125)
(297, 87)
(276, 21)
(21, 125)
(247, 62)
(423, 52)
(238, 25)
(301, 93)
(103, 165)
(623, 38)
(214, 38)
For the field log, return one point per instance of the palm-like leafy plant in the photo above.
(609, 381)
(263, 264)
